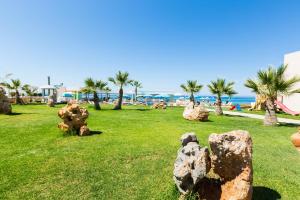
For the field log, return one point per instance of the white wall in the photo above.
(293, 62)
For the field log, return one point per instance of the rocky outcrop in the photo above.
(192, 163)
(198, 113)
(5, 106)
(74, 119)
(230, 161)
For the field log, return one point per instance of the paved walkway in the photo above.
(256, 116)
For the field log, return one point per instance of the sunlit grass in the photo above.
(131, 159)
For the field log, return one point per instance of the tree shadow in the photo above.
(264, 193)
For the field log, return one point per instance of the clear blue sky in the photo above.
(162, 43)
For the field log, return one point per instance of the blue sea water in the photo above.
(200, 98)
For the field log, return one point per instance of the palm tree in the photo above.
(192, 88)
(107, 90)
(271, 83)
(15, 85)
(30, 90)
(121, 79)
(219, 88)
(94, 86)
(136, 85)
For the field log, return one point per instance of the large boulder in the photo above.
(198, 113)
(191, 165)
(231, 159)
(5, 105)
(74, 119)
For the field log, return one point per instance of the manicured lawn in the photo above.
(131, 159)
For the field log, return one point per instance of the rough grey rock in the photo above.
(192, 163)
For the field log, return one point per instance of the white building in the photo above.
(293, 62)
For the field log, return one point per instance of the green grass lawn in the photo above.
(131, 159)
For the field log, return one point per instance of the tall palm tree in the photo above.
(107, 90)
(30, 90)
(94, 86)
(271, 83)
(121, 79)
(191, 87)
(219, 88)
(136, 85)
(14, 85)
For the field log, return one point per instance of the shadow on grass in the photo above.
(264, 193)
(15, 113)
(288, 124)
(95, 133)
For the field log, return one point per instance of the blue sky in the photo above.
(162, 43)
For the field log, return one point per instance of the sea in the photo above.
(199, 98)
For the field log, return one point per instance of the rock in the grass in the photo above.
(161, 105)
(74, 119)
(51, 101)
(5, 106)
(231, 159)
(191, 165)
(198, 113)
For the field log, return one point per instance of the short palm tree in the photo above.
(271, 83)
(121, 79)
(94, 86)
(191, 87)
(30, 90)
(107, 90)
(136, 85)
(14, 85)
(219, 88)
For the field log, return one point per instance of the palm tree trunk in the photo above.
(135, 94)
(119, 104)
(218, 108)
(96, 101)
(192, 99)
(270, 116)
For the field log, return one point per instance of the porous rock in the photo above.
(231, 159)
(74, 119)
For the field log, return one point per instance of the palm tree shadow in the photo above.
(288, 124)
(264, 193)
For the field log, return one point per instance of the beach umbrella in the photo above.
(162, 96)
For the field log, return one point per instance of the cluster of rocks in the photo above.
(192, 112)
(225, 173)
(5, 105)
(161, 105)
(74, 119)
